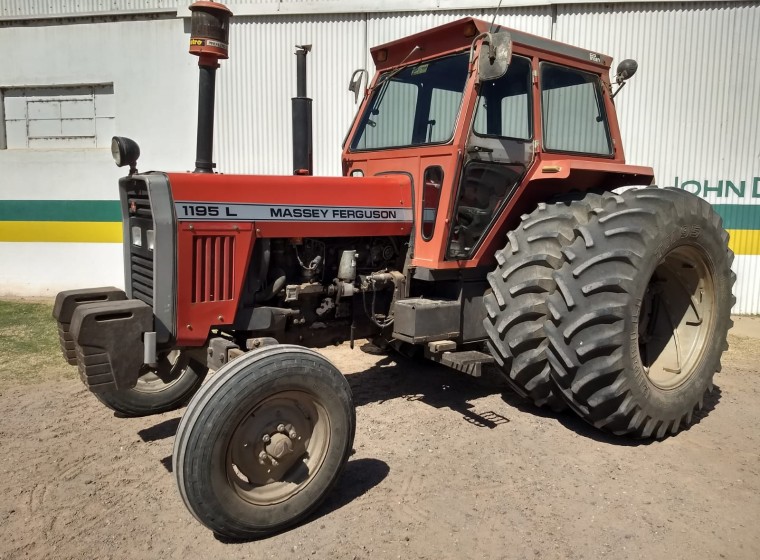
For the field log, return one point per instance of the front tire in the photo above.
(640, 316)
(263, 442)
(176, 379)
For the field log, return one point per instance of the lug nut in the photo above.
(281, 428)
(266, 439)
(293, 434)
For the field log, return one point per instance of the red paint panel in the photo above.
(384, 192)
(211, 262)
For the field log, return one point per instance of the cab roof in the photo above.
(459, 34)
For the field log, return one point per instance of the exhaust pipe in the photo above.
(302, 142)
(209, 41)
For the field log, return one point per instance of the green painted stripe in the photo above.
(739, 216)
(60, 211)
(735, 216)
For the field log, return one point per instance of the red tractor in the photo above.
(480, 219)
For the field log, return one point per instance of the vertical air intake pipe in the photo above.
(302, 143)
(209, 39)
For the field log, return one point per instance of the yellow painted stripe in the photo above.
(61, 232)
(744, 241)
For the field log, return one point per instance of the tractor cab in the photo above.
(471, 115)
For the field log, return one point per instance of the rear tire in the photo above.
(523, 279)
(170, 386)
(263, 442)
(640, 317)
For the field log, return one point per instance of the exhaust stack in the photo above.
(209, 40)
(302, 142)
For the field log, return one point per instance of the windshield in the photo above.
(414, 106)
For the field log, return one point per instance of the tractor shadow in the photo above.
(398, 377)
(395, 376)
(359, 477)
(582, 428)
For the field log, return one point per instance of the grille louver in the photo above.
(212, 268)
(141, 260)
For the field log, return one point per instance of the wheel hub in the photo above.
(676, 317)
(273, 450)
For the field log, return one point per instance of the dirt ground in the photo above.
(443, 468)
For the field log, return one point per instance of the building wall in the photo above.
(690, 112)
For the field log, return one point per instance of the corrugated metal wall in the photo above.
(691, 111)
(256, 84)
(33, 9)
(693, 108)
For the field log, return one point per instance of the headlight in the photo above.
(125, 152)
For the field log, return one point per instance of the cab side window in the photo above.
(573, 113)
(504, 105)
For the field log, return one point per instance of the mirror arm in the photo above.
(356, 83)
(621, 85)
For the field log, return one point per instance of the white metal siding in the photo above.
(255, 87)
(385, 27)
(692, 110)
(35, 9)
(253, 133)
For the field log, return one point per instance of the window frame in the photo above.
(600, 100)
(531, 127)
(26, 92)
(362, 117)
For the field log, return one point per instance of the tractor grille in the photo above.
(212, 268)
(140, 258)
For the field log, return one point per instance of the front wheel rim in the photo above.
(169, 371)
(278, 448)
(677, 317)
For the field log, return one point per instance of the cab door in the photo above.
(498, 153)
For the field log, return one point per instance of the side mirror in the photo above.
(495, 54)
(626, 69)
(355, 85)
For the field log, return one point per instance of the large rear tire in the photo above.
(176, 379)
(640, 317)
(263, 442)
(516, 303)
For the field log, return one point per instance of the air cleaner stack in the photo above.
(209, 40)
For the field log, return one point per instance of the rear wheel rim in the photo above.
(677, 317)
(278, 448)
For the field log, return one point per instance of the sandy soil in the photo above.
(443, 468)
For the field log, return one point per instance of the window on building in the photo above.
(58, 116)
(573, 112)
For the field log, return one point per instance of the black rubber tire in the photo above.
(605, 306)
(523, 279)
(184, 378)
(205, 437)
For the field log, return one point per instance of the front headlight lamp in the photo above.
(125, 151)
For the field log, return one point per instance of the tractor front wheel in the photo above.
(263, 442)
